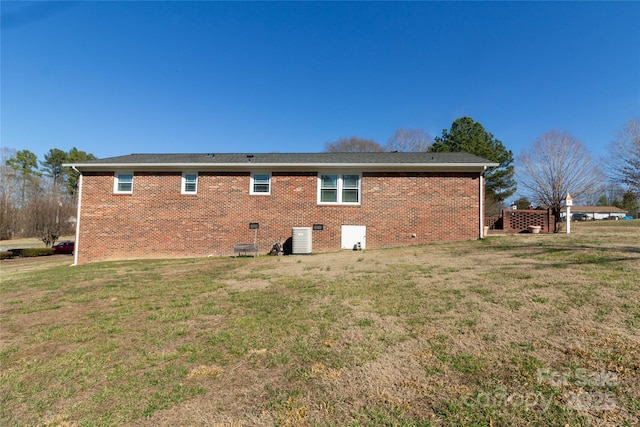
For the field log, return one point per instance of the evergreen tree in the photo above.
(469, 136)
(75, 156)
(52, 166)
(25, 168)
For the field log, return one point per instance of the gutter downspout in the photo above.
(482, 203)
(75, 249)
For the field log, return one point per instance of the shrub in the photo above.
(6, 254)
(32, 252)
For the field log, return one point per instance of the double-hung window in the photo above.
(339, 189)
(123, 183)
(189, 183)
(260, 183)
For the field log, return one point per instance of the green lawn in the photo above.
(505, 331)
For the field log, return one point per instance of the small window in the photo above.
(340, 189)
(261, 183)
(123, 182)
(189, 183)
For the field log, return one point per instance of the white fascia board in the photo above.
(96, 167)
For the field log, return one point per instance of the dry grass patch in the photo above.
(507, 331)
(204, 371)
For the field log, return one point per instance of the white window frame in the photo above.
(340, 187)
(252, 184)
(117, 182)
(183, 186)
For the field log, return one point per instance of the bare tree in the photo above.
(557, 164)
(409, 140)
(9, 195)
(50, 217)
(353, 144)
(623, 163)
(611, 196)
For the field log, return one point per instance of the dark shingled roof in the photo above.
(379, 158)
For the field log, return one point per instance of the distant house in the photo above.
(585, 213)
(190, 205)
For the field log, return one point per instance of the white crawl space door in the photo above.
(353, 235)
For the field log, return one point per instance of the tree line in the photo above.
(38, 198)
(554, 165)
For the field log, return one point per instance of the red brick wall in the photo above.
(517, 221)
(158, 221)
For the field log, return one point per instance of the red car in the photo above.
(64, 247)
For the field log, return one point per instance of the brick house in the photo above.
(191, 205)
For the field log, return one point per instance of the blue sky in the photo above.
(114, 78)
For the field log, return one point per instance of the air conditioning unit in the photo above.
(301, 241)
